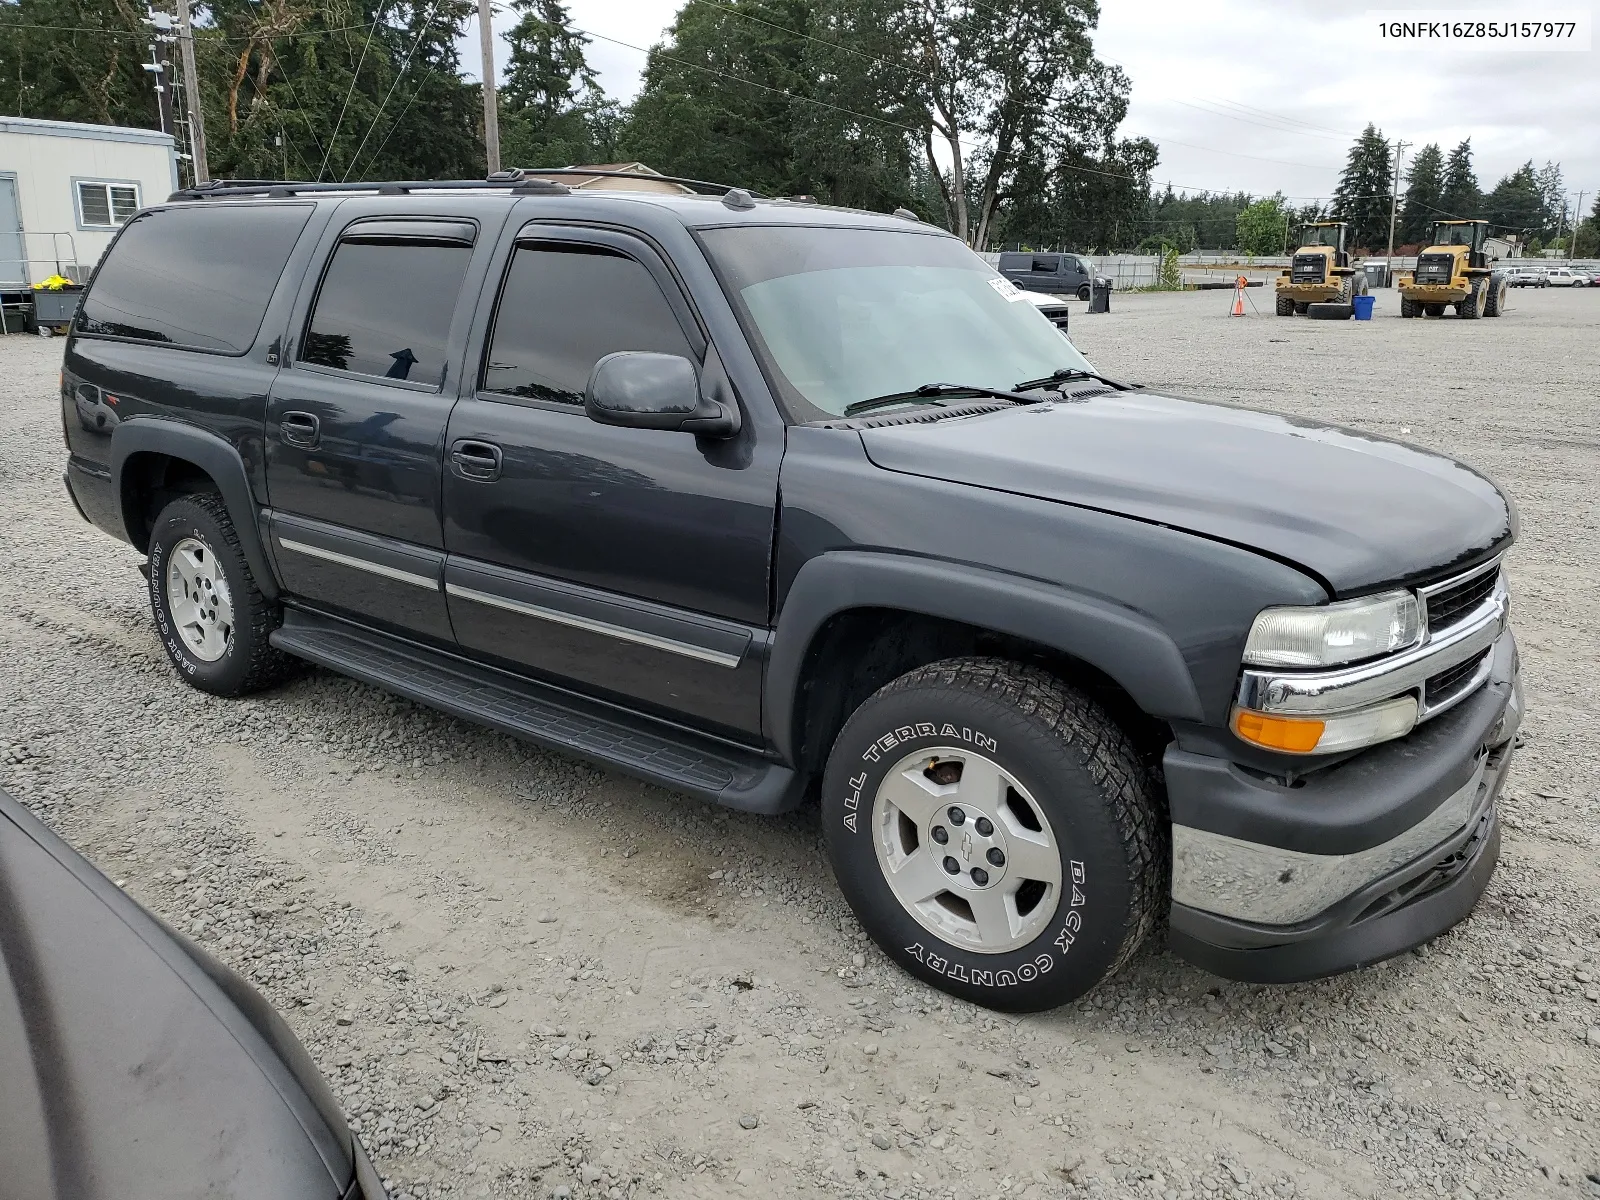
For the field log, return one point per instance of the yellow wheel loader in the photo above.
(1320, 270)
(1457, 268)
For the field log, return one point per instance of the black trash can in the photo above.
(1100, 295)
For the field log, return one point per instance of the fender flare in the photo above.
(1114, 639)
(218, 459)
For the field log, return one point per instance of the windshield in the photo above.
(1320, 235)
(1453, 235)
(844, 315)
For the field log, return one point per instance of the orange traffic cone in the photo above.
(1239, 284)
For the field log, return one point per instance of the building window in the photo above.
(106, 205)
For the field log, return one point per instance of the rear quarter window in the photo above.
(195, 277)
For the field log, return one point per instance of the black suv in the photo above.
(766, 501)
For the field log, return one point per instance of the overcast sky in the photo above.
(1265, 95)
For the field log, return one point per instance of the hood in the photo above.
(1352, 509)
(135, 1067)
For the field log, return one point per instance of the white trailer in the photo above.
(66, 187)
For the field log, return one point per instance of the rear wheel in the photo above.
(1467, 309)
(211, 617)
(1301, 306)
(1434, 310)
(1285, 306)
(1409, 308)
(1494, 302)
(996, 833)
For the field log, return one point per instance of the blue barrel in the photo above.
(1363, 306)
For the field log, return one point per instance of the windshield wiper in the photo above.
(933, 391)
(1065, 374)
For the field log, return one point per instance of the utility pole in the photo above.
(1394, 199)
(160, 66)
(1577, 219)
(491, 106)
(191, 96)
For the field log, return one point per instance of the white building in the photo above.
(66, 187)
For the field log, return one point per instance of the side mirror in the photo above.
(641, 390)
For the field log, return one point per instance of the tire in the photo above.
(1494, 303)
(1067, 796)
(1409, 308)
(1300, 307)
(1330, 311)
(1468, 309)
(1347, 289)
(1083, 291)
(216, 636)
(1433, 310)
(1285, 306)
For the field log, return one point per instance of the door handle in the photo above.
(300, 429)
(475, 460)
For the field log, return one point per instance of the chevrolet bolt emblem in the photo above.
(966, 846)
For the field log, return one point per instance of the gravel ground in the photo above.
(525, 977)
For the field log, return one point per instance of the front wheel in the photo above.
(996, 833)
(1083, 291)
(1285, 306)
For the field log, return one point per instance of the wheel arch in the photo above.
(152, 458)
(872, 617)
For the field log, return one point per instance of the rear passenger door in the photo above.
(356, 420)
(629, 562)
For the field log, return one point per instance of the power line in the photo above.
(422, 28)
(354, 77)
(203, 35)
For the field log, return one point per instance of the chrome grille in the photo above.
(1454, 601)
(1447, 685)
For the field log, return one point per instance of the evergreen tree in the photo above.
(1362, 197)
(553, 112)
(1460, 197)
(1424, 195)
(1553, 199)
(1517, 204)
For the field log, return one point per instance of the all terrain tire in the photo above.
(1433, 310)
(211, 617)
(1330, 310)
(1285, 306)
(1410, 308)
(1468, 309)
(996, 832)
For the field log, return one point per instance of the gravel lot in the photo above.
(525, 977)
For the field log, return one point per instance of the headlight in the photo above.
(1330, 634)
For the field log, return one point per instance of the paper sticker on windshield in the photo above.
(1008, 289)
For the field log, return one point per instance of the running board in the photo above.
(636, 746)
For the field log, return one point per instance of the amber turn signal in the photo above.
(1297, 735)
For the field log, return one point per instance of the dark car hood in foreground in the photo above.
(133, 1066)
(1355, 510)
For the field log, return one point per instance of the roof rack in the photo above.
(516, 180)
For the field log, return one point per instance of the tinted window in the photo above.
(566, 307)
(196, 276)
(1044, 266)
(1013, 262)
(385, 309)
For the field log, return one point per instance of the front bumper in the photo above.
(1434, 293)
(1361, 861)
